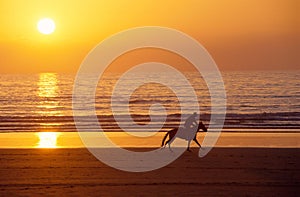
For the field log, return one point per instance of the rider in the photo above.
(191, 121)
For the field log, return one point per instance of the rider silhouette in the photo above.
(191, 121)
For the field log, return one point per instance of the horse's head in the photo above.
(202, 126)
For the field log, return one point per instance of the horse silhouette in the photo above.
(184, 133)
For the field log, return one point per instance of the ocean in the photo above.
(261, 100)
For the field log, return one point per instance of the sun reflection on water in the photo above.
(48, 104)
(48, 91)
(47, 85)
(47, 139)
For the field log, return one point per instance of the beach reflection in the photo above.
(47, 139)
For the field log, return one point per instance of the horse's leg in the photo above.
(164, 145)
(169, 143)
(188, 149)
(171, 135)
(195, 139)
(170, 147)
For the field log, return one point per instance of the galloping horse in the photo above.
(186, 134)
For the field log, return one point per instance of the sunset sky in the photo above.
(240, 35)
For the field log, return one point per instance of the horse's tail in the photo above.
(163, 141)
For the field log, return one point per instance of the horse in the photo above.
(187, 134)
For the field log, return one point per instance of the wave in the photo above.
(16, 123)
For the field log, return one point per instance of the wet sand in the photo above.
(72, 140)
(223, 172)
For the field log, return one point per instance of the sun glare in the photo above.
(48, 139)
(46, 26)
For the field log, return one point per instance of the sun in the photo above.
(46, 26)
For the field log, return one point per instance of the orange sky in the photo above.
(238, 34)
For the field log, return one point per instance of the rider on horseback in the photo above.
(188, 132)
(191, 121)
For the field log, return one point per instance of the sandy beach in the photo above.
(223, 172)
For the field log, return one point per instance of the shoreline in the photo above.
(122, 139)
(224, 129)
